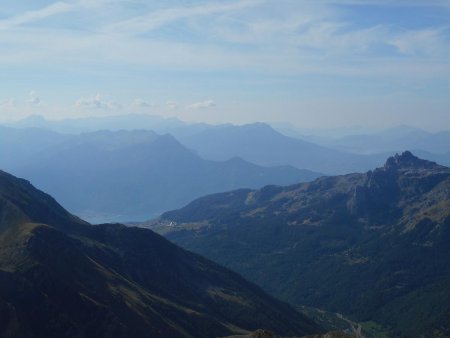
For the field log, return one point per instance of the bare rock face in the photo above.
(408, 161)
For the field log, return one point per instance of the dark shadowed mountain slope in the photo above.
(132, 175)
(268, 334)
(62, 277)
(260, 144)
(373, 246)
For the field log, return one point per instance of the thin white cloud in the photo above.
(8, 104)
(302, 37)
(36, 15)
(97, 102)
(423, 42)
(396, 3)
(33, 98)
(159, 18)
(268, 42)
(171, 105)
(140, 104)
(54, 9)
(202, 104)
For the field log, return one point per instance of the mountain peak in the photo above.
(407, 160)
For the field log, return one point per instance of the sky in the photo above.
(311, 63)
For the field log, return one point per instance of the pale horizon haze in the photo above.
(313, 64)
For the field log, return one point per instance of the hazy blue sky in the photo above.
(312, 63)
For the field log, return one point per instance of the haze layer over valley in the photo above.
(238, 168)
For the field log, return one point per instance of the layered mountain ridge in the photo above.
(62, 277)
(127, 175)
(372, 246)
(261, 144)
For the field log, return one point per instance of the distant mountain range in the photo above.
(396, 138)
(127, 175)
(372, 246)
(261, 144)
(257, 143)
(89, 124)
(135, 178)
(336, 151)
(62, 277)
(392, 139)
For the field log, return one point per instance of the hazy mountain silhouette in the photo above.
(93, 123)
(257, 143)
(261, 144)
(18, 146)
(392, 139)
(62, 277)
(333, 151)
(373, 246)
(128, 175)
